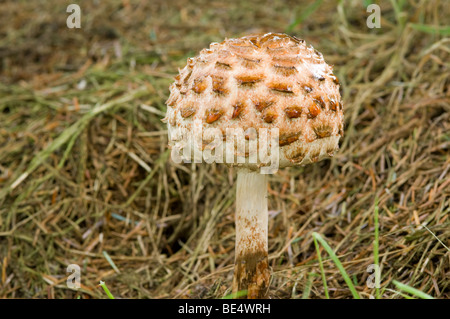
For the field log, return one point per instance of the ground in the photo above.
(86, 177)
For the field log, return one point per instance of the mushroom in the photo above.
(281, 98)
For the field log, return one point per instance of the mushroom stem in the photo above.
(251, 271)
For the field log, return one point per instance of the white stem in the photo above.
(251, 263)
(251, 213)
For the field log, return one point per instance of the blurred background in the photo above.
(86, 176)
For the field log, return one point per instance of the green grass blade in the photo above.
(431, 29)
(337, 263)
(307, 289)
(239, 294)
(111, 262)
(324, 280)
(108, 293)
(411, 290)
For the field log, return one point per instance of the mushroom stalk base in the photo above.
(251, 270)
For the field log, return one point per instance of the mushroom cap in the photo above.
(270, 81)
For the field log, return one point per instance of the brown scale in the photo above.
(314, 156)
(207, 51)
(276, 38)
(223, 66)
(200, 84)
(323, 131)
(330, 151)
(178, 79)
(213, 115)
(183, 90)
(307, 89)
(335, 79)
(318, 77)
(333, 105)
(171, 101)
(249, 63)
(219, 85)
(254, 41)
(249, 80)
(267, 39)
(238, 108)
(186, 78)
(285, 70)
(190, 63)
(271, 44)
(286, 61)
(286, 139)
(319, 100)
(187, 111)
(242, 42)
(261, 105)
(280, 87)
(314, 110)
(298, 156)
(202, 62)
(270, 116)
(293, 111)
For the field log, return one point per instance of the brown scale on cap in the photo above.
(307, 89)
(212, 116)
(286, 61)
(249, 63)
(249, 79)
(218, 85)
(222, 65)
(313, 110)
(172, 99)
(238, 108)
(270, 116)
(199, 85)
(262, 104)
(320, 102)
(265, 81)
(323, 130)
(333, 104)
(287, 139)
(293, 111)
(282, 87)
(285, 70)
(187, 111)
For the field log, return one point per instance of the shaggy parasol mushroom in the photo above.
(274, 82)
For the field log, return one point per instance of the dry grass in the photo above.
(84, 167)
